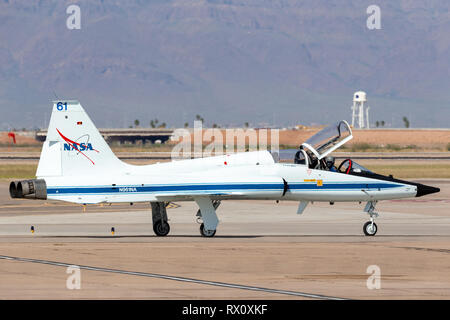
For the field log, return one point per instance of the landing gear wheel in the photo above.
(370, 229)
(161, 229)
(206, 233)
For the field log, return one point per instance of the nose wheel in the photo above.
(370, 228)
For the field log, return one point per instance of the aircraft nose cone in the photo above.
(423, 190)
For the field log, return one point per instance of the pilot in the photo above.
(299, 158)
(329, 161)
(313, 161)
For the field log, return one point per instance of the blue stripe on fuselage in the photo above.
(216, 188)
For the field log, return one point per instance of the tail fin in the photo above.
(74, 146)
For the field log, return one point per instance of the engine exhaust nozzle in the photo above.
(13, 189)
(30, 189)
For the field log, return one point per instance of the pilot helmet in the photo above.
(329, 161)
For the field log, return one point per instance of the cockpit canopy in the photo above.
(329, 139)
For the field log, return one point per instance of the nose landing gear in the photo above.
(370, 228)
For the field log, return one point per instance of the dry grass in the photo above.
(416, 170)
(390, 147)
(17, 171)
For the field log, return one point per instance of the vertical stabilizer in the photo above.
(74, 146)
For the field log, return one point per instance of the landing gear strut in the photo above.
(370, 228)
(206, 216)
(159, 217)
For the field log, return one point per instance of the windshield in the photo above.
(350, 166)
(329, 139)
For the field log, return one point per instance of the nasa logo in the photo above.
(80, 147)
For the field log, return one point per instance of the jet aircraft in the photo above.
(78, 166)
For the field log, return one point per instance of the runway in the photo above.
(168, 277)
(320, 254)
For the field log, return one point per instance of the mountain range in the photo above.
(266, 62)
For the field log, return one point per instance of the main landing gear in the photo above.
(206, 233)
(159, 217)
(370, 228)
(207, 217)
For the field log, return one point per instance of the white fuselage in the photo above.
(250, 175)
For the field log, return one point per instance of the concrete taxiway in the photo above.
(262, 250)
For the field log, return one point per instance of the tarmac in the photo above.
(262, 250)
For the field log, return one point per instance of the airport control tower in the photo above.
(360, 110)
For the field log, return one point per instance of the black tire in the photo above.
(368, 229)
(206, 233)
(161, 229)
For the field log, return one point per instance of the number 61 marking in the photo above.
(60, 106)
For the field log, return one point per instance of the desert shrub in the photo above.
(363, 146)
(394, 147)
